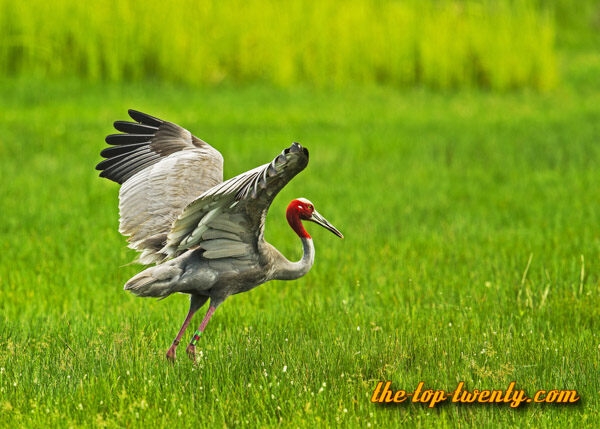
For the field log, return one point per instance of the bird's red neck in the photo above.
(293, 215)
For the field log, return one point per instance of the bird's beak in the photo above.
(318, 219)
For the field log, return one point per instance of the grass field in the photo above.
(472, 246)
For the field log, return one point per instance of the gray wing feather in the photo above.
(162, 167)
(227, 221)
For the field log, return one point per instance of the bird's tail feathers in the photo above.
(155, 282)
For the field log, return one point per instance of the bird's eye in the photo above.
(310, 207)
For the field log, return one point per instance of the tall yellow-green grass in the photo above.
(437, 43)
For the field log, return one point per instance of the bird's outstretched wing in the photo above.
(162, 167)
(227, 221)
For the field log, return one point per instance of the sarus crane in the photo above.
(205, 236)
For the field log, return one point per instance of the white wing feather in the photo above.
(162, 168)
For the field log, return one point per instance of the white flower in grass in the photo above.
(358, 328)
(284, 368)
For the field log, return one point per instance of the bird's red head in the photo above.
(301, 209)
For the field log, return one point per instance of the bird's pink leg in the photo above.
(195, 304)
(191, 348)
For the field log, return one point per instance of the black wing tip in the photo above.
(134, 114)
(134, 128)
(121, 162)
(115, 179)
(144, 118)
(297, 147)
(126, 139)
(109, 138)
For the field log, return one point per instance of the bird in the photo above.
(205, 236)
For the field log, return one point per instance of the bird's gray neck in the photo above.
(295, 270)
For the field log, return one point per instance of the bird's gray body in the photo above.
(193, 274)
(205, 235)
(217, 279)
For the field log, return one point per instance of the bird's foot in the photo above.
(171, 353)
(191, 352)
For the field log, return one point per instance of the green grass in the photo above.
(443, 199)
(436, 43)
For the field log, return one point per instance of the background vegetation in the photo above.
(444, 43)
(471, 220)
